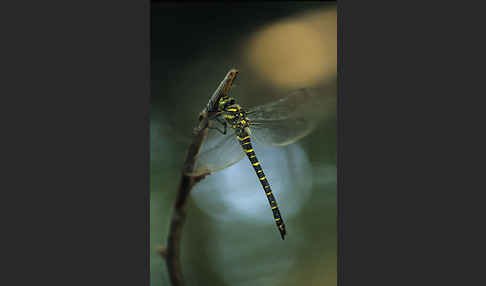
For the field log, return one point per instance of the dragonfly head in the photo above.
(225, 102)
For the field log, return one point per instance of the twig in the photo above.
(172, 253)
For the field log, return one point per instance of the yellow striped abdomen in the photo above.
(245, 143)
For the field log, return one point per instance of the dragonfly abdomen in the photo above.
(245, 142)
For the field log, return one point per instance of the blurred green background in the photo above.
(229, 237)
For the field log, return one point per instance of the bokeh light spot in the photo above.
(297, 52)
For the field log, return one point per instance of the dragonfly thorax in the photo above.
(235, 116)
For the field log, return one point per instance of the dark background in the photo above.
(193, 47)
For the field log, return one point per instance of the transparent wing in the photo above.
(219, 151)
(286, 120)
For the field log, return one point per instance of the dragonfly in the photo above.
(233, 129)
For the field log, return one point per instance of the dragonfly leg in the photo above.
(222, 122)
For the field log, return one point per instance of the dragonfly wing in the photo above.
(219, 152)
(285, 121)
(281, 132)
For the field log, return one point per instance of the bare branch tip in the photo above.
(201, 176)
(162, 251)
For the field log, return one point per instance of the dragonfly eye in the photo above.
(222, 104)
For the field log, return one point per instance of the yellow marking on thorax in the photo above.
(262, 178)
(246, 143)
(259, 171)
(274, 207)
(277, 219)
(249, 150)
(269, 193)
(267, 186)
(256, 164)
(232, 109)
(241, 139)
(252, 156)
